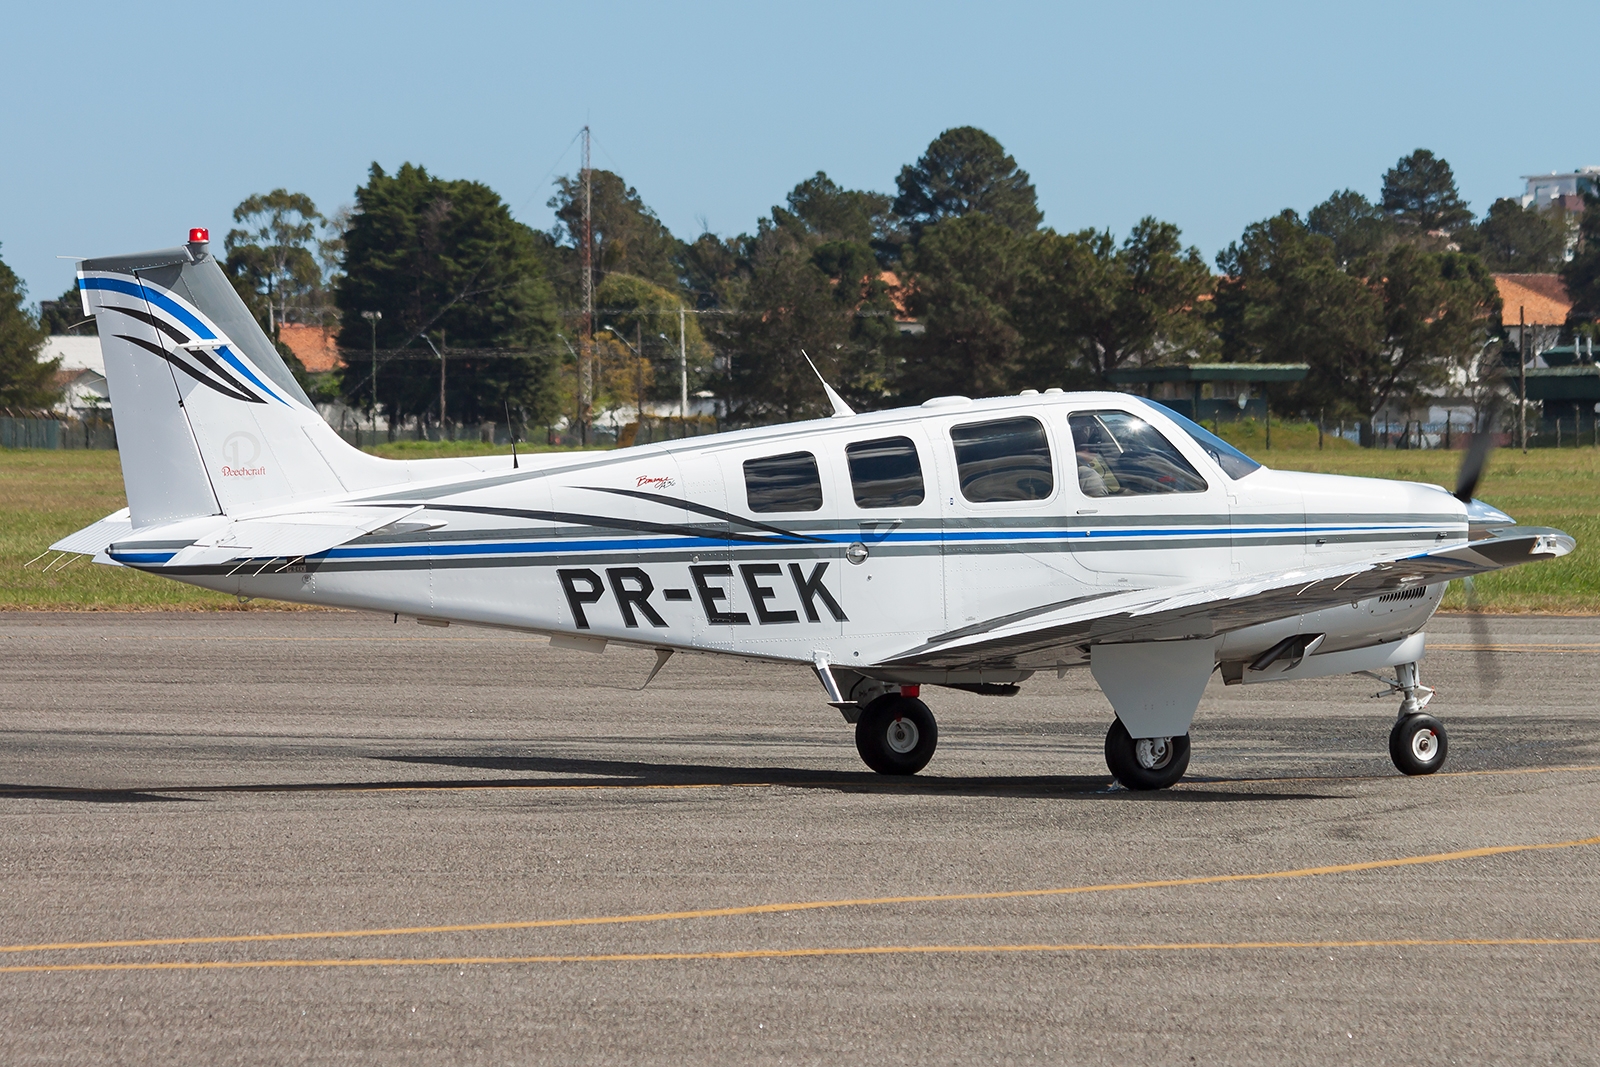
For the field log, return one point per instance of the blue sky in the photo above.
(124, 124)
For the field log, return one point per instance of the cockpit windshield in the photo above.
(1234, 463)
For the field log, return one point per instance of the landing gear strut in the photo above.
(1146, 763)
(896, 734)
(1418, 743)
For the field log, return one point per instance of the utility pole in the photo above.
(1522, 374)
(372, 318)
(683, 378)
(586, 258)
(638, 368)
(441, 386)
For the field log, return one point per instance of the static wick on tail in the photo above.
(841, 410)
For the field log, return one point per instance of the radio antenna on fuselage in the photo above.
(841, 410)
(511, 432)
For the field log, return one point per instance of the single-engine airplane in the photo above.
(963, 543)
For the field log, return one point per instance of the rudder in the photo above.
(209, 418)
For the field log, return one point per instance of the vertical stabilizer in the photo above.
(209, 419)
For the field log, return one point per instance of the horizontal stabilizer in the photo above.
(288, 536)
(93, 540)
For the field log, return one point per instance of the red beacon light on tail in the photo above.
(199, 235)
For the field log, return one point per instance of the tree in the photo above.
(65, 314)
(271, 256)
(628, 237)
(964, 172)
(25, 382)
(1522, 240)
(445, 259)
(967, 275)
(1090, 306)
(819, 206)
(1356, 226)
(1582, 273)
(711, 270)
(640, 312)
(1419, 192)
(1385, 328)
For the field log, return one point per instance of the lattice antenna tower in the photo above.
(585, 360)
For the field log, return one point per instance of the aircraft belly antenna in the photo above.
(841, 410)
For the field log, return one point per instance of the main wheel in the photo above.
(1418, 744)
(1149, 762)
(896, 734)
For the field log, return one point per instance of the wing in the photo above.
(1038, 637)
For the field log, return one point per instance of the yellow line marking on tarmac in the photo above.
(816, 905)
(1589, 646)
(803, 953)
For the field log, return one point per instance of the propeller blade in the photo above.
(1476, 459)
(1483, 656)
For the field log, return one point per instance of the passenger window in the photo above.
(1119, 454)
(1006, 460)
(789, 482)
(885, 473)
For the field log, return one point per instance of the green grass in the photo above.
(1543, 487)
(46, 495)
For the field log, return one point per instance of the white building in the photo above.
(1563, 188)
(82, 374)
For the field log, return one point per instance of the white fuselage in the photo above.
(660, 546)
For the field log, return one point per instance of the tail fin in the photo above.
(209, 419)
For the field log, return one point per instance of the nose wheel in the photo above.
(896, 734)
(1418, 744)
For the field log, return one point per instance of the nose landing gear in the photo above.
(1418, 743)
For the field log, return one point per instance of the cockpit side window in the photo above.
(1234, 463)
(789, 482)
(885, 473)
(1007, 460)
(1119, 454)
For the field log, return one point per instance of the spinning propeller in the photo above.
(1473, 464)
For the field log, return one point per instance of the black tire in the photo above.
(1162, 762)
(896, 735)
(1418, 744)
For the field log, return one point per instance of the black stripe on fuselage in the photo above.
(699, 509)
(605, 522)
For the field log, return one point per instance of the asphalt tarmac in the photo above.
(323, 837)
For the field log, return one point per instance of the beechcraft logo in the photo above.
(241, 449)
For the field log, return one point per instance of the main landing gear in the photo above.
(896, 734)
(1148, 762)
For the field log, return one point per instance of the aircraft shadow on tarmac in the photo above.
(564, 771)
(558, 772)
